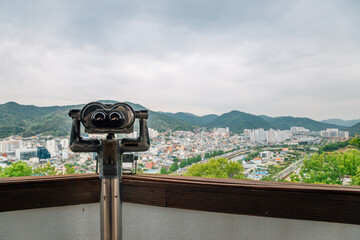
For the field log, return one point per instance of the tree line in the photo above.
(330, 168)
(21, 169)
(189, 161)
(217, 168)
(175, 166)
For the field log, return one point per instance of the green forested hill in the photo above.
(192, 118)
(354, 129)
(57, 123)
(28, 120)
(238, 121)
(162, 122)
(340, 122)
(16, 118)
(284, 123)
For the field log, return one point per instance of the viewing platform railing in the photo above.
(330, 206)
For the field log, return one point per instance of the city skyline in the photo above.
(280, 58)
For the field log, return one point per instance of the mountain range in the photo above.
(29, 120)
(340, 122)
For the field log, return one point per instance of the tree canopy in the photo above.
(47, 169)
(69, 169)
(331, 168)
(16, 169)
(21, 169)
(355, 180)
(333, 146)
(355, 142)
(217, 168)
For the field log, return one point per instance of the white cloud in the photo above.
(299, 58)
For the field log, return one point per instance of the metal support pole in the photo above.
(110, 202)
(110, 209)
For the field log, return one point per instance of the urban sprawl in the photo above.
(261, 152)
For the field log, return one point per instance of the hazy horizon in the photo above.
(200, 115)
(275, 58)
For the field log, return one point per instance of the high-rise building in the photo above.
(334, 133)
(25, 154)
(65, 154)
(271, 136)
(257, 135)
(10, 145)
(221, 131)
(133, 135)
(64, 143)
(153, 133)
(43, 153)
(299, 130)
(51, 146)
(266, 154)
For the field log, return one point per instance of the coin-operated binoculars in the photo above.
(109, 119)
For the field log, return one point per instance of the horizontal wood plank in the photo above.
(316, 202)
(48, 191)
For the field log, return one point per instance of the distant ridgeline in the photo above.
(29, 120)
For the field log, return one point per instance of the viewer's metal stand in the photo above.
(111, 152)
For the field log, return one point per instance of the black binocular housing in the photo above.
(108, 118)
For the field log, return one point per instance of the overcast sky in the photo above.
(299, 58)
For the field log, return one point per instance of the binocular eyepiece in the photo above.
(107, 118)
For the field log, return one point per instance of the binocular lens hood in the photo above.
(107, 118)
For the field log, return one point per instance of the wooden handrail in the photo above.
(316, 202)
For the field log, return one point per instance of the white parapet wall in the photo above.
(142, 222)
(78, 222)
